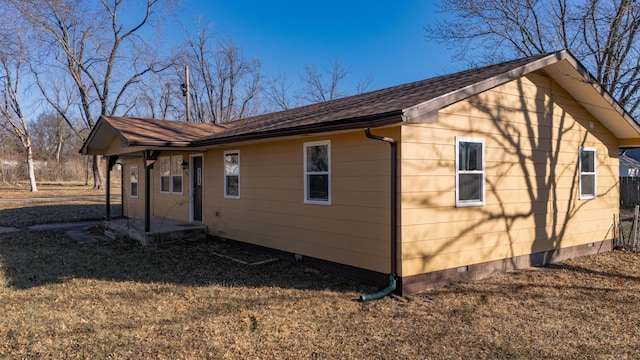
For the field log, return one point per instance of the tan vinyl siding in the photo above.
(133, 207)
(174, 206)
(163, 205)
(271, 212)
(531, 186)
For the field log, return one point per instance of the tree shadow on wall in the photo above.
(532, 172)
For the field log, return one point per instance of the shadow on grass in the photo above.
(28, 214)
(37, 258)
(569, 281)
(592, 272)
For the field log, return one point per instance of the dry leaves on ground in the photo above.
(120, 300)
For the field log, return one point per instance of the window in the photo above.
(587, 173)
(176, 174)
(469, 171)
(133, 181)
(232, 174)
(164, 165)
(317, 172)
(170, 174)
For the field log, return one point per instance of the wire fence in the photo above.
(626, 232)
(629, 192)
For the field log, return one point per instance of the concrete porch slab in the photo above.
(162, 231)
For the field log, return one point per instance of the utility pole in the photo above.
(185, 91)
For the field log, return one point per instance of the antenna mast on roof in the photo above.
(185, 91)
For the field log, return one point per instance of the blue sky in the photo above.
(383, 39)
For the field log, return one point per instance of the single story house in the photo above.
(455, 177)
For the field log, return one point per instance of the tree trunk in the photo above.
(97, 175)
(58, 151)
(30, 168)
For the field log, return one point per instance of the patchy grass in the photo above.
(21, 214)
(53, 203)
(52, 189)
(118, 300)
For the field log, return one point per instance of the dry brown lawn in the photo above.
(53, 203)
(53, 189)
(117, 300)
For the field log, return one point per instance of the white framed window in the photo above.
(170, 169)
(470, 171)
(317, 172)
(232, 174)
(587, 173)
(176, 174)
(133, 181)
(164, 167)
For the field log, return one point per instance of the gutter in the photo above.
(273, 131)
(394, 218)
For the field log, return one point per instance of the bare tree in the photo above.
(224, 84)
(158, 98)
(603, 34)
(61, 97)
(103, 55)
(50, 135)
(12, 119)
(277, 93)
(316, 86)
(364, 84)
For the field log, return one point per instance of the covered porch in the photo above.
(122, 140)
(148, 230)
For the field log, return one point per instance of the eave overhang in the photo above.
(100, 137)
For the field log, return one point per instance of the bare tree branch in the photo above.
(316, 88)
(603, 34)
(102, 54)
(224, 85)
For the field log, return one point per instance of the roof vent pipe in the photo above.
(394, 216)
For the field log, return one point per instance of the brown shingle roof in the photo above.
(139, 131)
(408, 102)
(366, 109)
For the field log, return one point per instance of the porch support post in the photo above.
(150, 158)
(147, 193)
(111, 161)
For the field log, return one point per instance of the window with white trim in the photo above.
(470, 171)
(587, 173)
(164, 167)
(232, 174)
(317, 172)
(133, 181)
(170, 169)
(176, 174)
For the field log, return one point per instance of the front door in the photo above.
(196, 180)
